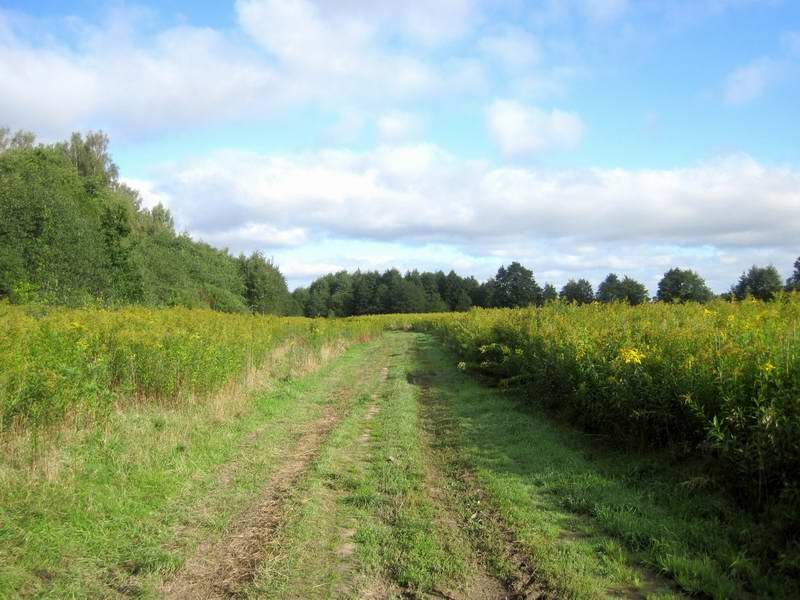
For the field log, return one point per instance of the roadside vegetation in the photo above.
(717, 383)
(195, 453)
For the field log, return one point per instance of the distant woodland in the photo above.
(71, 233)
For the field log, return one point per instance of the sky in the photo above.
(578, 137)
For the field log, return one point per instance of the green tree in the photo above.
(549, 293)
(515, 286)
(297, 305)
(264, 286)
(610, 290)
(793, 283)
(679, 285)
(634, 292)
(90, 155)
(759, 282)
(21, 140)
(579, 291)
(51, 237)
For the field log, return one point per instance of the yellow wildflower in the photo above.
(768, 367)
(631, 356)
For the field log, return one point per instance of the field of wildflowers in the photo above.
(721, 381)
(56, 362)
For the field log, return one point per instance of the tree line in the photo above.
(347, 294)
(72, 233)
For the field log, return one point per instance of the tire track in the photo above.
(453, 488)
(224, 568)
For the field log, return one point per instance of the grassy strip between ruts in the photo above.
(595, 523)
(365, 525)
(131, 497)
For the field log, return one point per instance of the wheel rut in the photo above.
(467, 511)
(223, 569)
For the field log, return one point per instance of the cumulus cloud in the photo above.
(418, 206)
(133, 78)
(511, 47)
(520, 130)
(422, 194)
(183, 76)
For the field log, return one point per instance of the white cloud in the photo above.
(183, 76)
(245, 237)
(519, 129)
(132, 78)
(750, 82)
(421, 193)
(148, 195)
(513, 48)
(604, 11)
(398, 125)
(418, 206)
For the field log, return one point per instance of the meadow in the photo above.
(721, 379)
(649, 451)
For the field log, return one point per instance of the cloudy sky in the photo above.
(576, 136)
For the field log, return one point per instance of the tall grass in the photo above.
(720, 380)
(55, 362)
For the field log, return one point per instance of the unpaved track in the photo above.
(224, 568)
(471, 504)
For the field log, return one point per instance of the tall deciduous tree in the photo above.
(759, 282)
(515, 286)
(549, 293)
(793, 282)
(683, 285)
(634, 291)
(579, 291)
(612, 289)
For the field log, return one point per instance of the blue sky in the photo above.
(578, 136)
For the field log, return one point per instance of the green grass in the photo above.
(595, 522)
(430, 484)
(365, 523)
(127, 501)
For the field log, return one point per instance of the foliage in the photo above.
(722, 380)
(549, 293)
(264, 287)
(57, 361)
(627, 290)
(759, 282)
(793, 283)
(344, 294)
(679, 285)
(72, 234)
(515, 287)
(579, 291)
